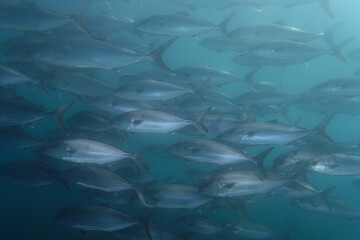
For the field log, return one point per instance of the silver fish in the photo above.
(180, 24)
(152, 121)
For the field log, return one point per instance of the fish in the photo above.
(76, 83)
(180, 24)
(88, 151)
(152, 121)
(318, 205)
(17, 112)
(325, 4)
(202, 224)
(295, 52)
(94, 177)
(153, 90)
(263, 99)
(268, 133)
(196, 74)
(295, 191)
(86, 52)
(114, 104)
(204, 150)
(337, 164)
(258, 33)
(172, 196)
(93, 218)
(298, 159)
(343, 87)
(241, 183)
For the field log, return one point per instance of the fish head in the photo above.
(215, 187)
(130, 90)
(127, 122)
(184, 149)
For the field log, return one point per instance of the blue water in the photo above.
(28, 212)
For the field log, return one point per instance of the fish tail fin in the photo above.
(198, 121)
(78, 16)
(300, 178)
(336, 50)
(329, 34)
(157, 56)
(325, 196)
(58, 115)
(249, 78)
(140, 192)
(260, 158)
(325, 4)
(198, 87)
(320, 128)
(222, 27)
(137, 157)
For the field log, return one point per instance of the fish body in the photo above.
(93, 218)
(85, 151)
(152, 121)
(172, 196)
(96, 178)
(337, 164)
(338, 207)
(204, 150)
(264, 133)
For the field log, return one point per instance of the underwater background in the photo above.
(28, 212)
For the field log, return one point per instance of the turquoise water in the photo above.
(28, 212)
